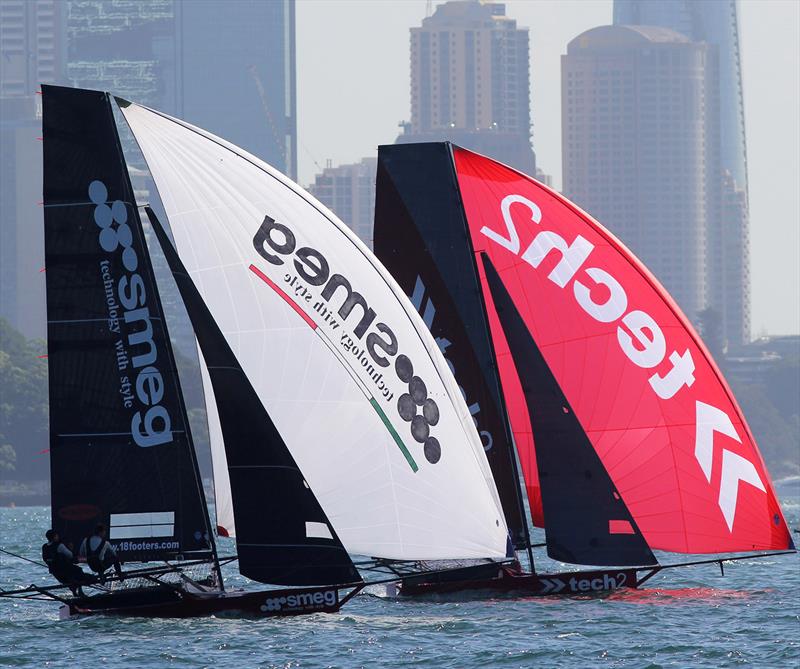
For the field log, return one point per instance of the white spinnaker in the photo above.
(335, 407)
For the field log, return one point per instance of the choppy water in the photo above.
(682, 618)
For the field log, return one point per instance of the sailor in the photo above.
(99, 554)
(61, 563)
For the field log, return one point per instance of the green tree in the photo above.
(778, 436)
(8, 457)
(23, 404)
(710, 329)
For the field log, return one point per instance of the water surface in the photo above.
(691, 617)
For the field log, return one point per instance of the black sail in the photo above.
(420, 236)
(578, 496)
(120, 448)
(277, 516)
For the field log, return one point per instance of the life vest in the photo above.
(93, 556)
(54, 560)
(49, 554)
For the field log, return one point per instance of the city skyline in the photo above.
(382, 85)
(349, 191)
(33, 47)
(154, 52)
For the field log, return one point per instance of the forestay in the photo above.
(223, 501)
(283, 535)
(343, 364)
(420, 237)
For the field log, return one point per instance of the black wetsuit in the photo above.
(59, 561)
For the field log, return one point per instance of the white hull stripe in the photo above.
(316, 530)
(148, 524)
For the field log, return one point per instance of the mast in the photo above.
(181, 402)
(171, 364)
(418, 216)
(487, 334)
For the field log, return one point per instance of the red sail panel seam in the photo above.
(573, 358)
(620, 248)
(285, 297)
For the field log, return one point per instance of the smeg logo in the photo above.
(105, 216)
(407, 403)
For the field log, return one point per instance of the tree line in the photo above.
(771, 405)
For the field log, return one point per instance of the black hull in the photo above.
(501, 578)
(166, 602)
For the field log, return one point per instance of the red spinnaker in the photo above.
(642, 384)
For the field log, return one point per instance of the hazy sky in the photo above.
(353, 88)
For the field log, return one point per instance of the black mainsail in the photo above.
(420, 237)
(419, 214)
(282, 534)
(578, 496)
(120, 448)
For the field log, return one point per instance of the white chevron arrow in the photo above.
(552, 585)
(735, 468)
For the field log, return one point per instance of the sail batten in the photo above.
(120, 445)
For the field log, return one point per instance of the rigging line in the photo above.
(21, 557)
(434, 572)
(310, 155)
(172, 366)
(313, 202)
(253, 70)
(733, 558)
(520, 488)
(133, 573)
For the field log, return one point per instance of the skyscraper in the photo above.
(470, 82)
(32, 51)
(32, 43)
(238, 74)
(640, 145)
(349, 191)
(716, 22)
(228, 67)
(128, 48)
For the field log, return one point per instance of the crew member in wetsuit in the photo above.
(61, 563)
(99, 554)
